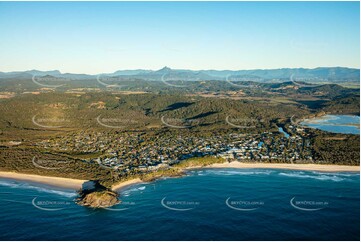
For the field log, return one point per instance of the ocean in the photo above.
(207, 204)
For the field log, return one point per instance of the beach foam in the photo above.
(14, 184)
(319, 176)
(238, 172)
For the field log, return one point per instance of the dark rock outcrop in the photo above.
(97, 196)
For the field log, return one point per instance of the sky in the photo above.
(102, 37)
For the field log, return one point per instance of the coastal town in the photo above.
(134, 152)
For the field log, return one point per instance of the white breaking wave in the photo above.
(237, 172)
(132, 190)
(319, 176)
(37, 188)
(350, 174)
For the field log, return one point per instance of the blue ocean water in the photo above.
(345, 124)
(208, 204)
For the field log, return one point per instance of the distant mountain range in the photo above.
(330, 74)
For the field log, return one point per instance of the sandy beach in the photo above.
(122, 185)
(76, 184)
(306, 167)
(48, 180)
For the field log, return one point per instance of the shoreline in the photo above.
(287, 166)
(239, 165)
(122, 185)
(76, 184)
(323, 117)
(60, 182)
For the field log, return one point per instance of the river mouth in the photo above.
(342, 124)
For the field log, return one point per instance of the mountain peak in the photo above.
(165, 69)
(37, 72)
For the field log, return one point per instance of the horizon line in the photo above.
(129, 69)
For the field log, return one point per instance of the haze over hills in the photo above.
(320, 74)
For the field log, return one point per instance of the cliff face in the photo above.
(99, 199)
(97, 196)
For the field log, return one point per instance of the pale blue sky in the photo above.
(99, 37)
